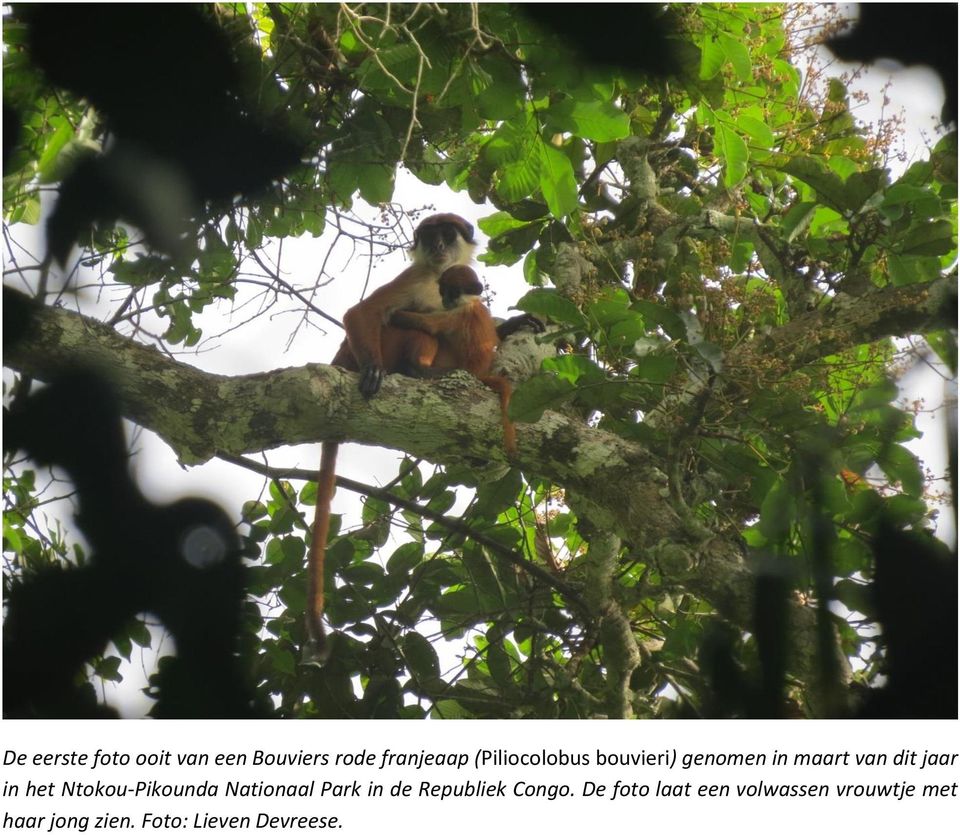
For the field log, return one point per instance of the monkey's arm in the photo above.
(364, 322)
(516, 323)
(432, 323)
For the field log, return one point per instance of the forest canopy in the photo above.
(713, 511)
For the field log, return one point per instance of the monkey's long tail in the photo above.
(318, 646)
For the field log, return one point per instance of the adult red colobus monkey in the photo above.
(440, 241)
(374, 348)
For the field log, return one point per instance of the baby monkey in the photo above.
(466, 337)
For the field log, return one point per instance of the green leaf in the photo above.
(499, 223)
(253, 233)
(374, 509)
(518, 179)
(911, 269)
(531, 273)
(509, 247)
(625, 333)
(827, 221)
(797, 220)
(47, 164)
(836, 90)
(252, 511)
(284, 662)
(735, 51)
(937, 238)
(459, 602)
(655, 368)
(511, 141)
(600, 121)
(442, 502)
(860, 186)
(27, 210)
(294, 549)
(850, 555)
(123, 645)
(500, 666)
(856, 596)
(778, 512)
(350, 44)
(108, 668)
(576, 368)
(399, 61)
(920, 200)
(605, 313)
(314, 223)
(735, 154)
(376, 183)
(814, 173)
(902, 511)
(902, 466)
(557, 181)
(494, 497)
(11, 537)
(757, 130)
(450, 709)
(657, 314)
(712, 58)
(282, 520)
(533, 397)
(551, 305)
(482, 576)
(274, 552)
(879, 394)
(140, 634)
(502, 98)
(407, 557)
(216, 261)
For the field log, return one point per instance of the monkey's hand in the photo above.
(516, 323)
(371, 377)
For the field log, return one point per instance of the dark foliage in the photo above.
(912, 33)
(633, 36)
(180, 562)
(915, 592)
(916, 596)
(166, 82)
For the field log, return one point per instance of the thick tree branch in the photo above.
(454, 420)
(846, 322)
(450, 420)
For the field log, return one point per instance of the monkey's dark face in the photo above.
(439, 244)
(459, 285)
(456, 297)
(443, 240)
